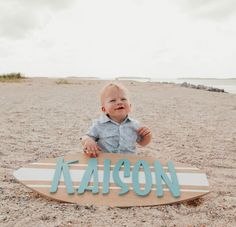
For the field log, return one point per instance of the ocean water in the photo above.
(229, 85)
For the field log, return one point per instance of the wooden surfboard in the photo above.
(115, 180)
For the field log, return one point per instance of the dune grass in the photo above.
(11, 77)
(62, 81)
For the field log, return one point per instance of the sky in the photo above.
(108, 38)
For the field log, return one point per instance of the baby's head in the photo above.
(115, 101)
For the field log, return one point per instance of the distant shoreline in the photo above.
(133, 78)
(219, 84)
(205, 78)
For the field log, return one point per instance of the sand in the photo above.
(41, 119)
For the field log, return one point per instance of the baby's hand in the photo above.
(143, 131)
(91, 148)
(146, 136)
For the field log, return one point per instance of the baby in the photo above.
(115, 131)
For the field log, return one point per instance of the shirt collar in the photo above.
(104, 119)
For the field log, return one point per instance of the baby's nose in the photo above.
(119, 101)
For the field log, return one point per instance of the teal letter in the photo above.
(116, 177)
(61, 166)
(106, 176)
(92, 169)
(161, 175)
(148, 177)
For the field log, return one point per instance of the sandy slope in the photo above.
(41, 119)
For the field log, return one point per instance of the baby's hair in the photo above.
(119, 86)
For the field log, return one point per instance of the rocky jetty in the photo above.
(202, 87)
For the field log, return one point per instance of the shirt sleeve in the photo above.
(93, 131)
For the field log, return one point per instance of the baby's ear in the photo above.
(103, 109)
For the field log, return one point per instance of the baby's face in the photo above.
(115, 103)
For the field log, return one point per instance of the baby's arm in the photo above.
(90, 147)
(88, 141)
(146, 136)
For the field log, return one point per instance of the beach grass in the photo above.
(11, 77)
(62, 81)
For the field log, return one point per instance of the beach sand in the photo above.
(41, 119)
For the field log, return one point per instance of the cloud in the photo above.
(18, 18)
(17, 24)
(211, 9)
(50, 4)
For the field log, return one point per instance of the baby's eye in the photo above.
(112, 100)
(123, 99)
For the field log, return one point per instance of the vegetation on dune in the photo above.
(11, 77)
(62, 81)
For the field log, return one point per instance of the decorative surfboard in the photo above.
(115, 180)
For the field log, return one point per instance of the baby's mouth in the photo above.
(120, 108)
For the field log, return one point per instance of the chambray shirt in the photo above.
(113, 137)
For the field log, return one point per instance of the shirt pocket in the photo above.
(131, 135)
(109, 138)
(107, 132)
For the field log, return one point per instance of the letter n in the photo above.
(161, 175)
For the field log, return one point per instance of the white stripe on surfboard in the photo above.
(112, 187)
(34, 174)
(82, 165)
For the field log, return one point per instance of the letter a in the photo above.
(92, 169)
